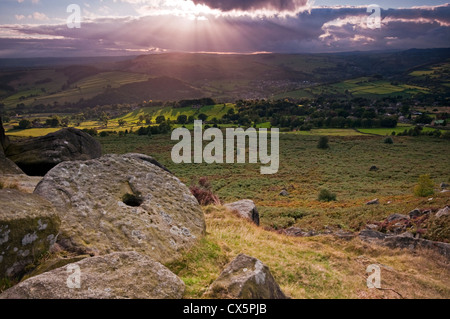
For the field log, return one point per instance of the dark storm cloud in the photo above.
(249, 5)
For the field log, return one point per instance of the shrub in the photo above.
(104, 134)
(424, 187)
(203, 193)
(323, 143)
(446, 135)
(388, 140)
(24, 124)
(326, 196)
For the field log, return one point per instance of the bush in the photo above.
(424, 187)
(203, 193)
(326, 196)
(323, 143)
(446, 135)
(104, 134)
(24, 124)
(388, 140)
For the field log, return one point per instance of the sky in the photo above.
(39, 28)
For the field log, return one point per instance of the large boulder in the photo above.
(37, 156)
(245, 278)
(121, 203)
(28, 227)
(246, 208)
(122, 275)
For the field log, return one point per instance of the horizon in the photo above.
(40, 28)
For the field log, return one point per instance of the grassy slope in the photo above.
(319, 267)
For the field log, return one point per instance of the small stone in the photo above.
(284, 193)
(373, 202)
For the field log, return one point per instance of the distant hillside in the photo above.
(227, 78)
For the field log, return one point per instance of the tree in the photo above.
(104, 118)
(121, 122)
(323, 143)
(424, 187)
(160, 119)
(182, 119)
(24, 124)
(202, 116)
(53, 122)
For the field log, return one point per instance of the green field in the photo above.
(360, 87)
(388, 131)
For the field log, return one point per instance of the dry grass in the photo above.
(317, 267)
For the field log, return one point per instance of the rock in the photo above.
(443, 212)
(6, 165)
(246, 208)
(407, 242)
(121, 203)
(415, 213)
(373, 168)
(444, 191)
(28, 227)
(53, 263)
(344, 234)
(245, 278)
(284, 193)
(373, 202)
(444, 185)
(295, 232)
(368, 234)
(395, 217)
(121, 275)
(406, 234)
(4, 140)
(37, 156)
(22, 182)
(372, 226)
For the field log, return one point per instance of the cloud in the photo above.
(38, 16)
(250, 5)
(322, 29)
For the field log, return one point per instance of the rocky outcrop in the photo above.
(298, 232)
(4, 140)
(37, 156)
(28, 227)
(396, 217)
(407, 242)
(245, 278)
(121, 203)
(404, 241)
(122, 275)
(246, 208)
(6, 165)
